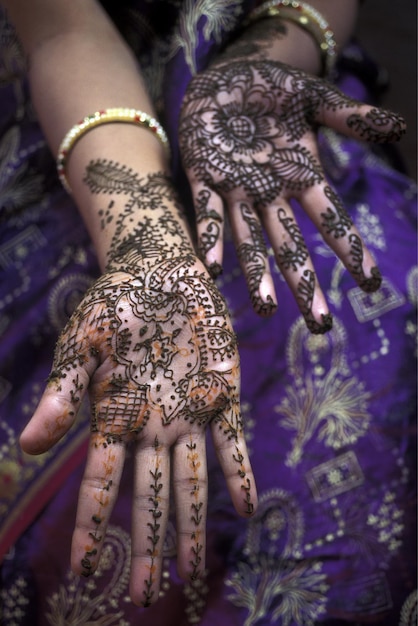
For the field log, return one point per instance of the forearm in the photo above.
(281, 39)
(79, 64)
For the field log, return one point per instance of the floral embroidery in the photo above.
(290, 591)
(96, 600)
(221, 16)
(14, 602)
(336, 411)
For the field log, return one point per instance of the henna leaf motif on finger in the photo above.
(305, 294)
(291, 254)
(252, 254)
(196, 509)
(154, 538)
(367, 284)
(335, 220)
(373, 126)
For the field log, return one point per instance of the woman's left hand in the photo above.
(248, 142)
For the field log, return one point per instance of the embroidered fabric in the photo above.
(329, 419)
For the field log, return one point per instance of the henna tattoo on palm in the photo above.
(154, 334)
(240, 130)
(247, 132)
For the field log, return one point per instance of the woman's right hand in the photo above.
(153, 345)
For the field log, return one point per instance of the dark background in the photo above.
(388, 32)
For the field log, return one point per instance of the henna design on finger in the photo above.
(305, 295)
(196, 506)
(336, 221)
(154, 338)
(253, 258)
(238, 457)
(215, 270)
(86, 563)
(371, 127)
(287, 256)
(367, 284)
(102, 498)
(209, 238)
(154, 538)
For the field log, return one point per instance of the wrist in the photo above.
(133, 219)
(275, 39)
(295, 47)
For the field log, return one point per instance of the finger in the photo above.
(56, 411)
(149, 521)
(210, 227)
(97, 496)
(293, 259)
(74, 364)
(338, 230)
(190, 489)
(355, 119)
(231, 450)
(253, 257)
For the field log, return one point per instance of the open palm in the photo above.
(248, 142)
(153, 345)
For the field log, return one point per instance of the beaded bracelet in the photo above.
(106, 116)
(307, 18)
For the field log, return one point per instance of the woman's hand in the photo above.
(248, 142)
(153, 345)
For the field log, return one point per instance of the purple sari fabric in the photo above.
(330, 420)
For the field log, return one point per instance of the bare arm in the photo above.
(297, 48)
(151, 341)
(79, 64)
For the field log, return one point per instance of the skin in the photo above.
(151, 343)
(248, 142)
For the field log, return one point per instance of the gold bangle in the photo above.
(307, 18)
(106, 116)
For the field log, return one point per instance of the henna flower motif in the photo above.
(234, 133)
(241, 123)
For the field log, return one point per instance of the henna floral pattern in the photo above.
(232, 120)
(247, 134)
(153, 335)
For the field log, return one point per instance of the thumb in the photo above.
(55, 413)
(355, 119)
(376, 125)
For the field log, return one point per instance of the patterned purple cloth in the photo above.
(330, 419)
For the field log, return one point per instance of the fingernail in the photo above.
(373, 283)
(215, 270)
(319, 328)
(264, 308)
